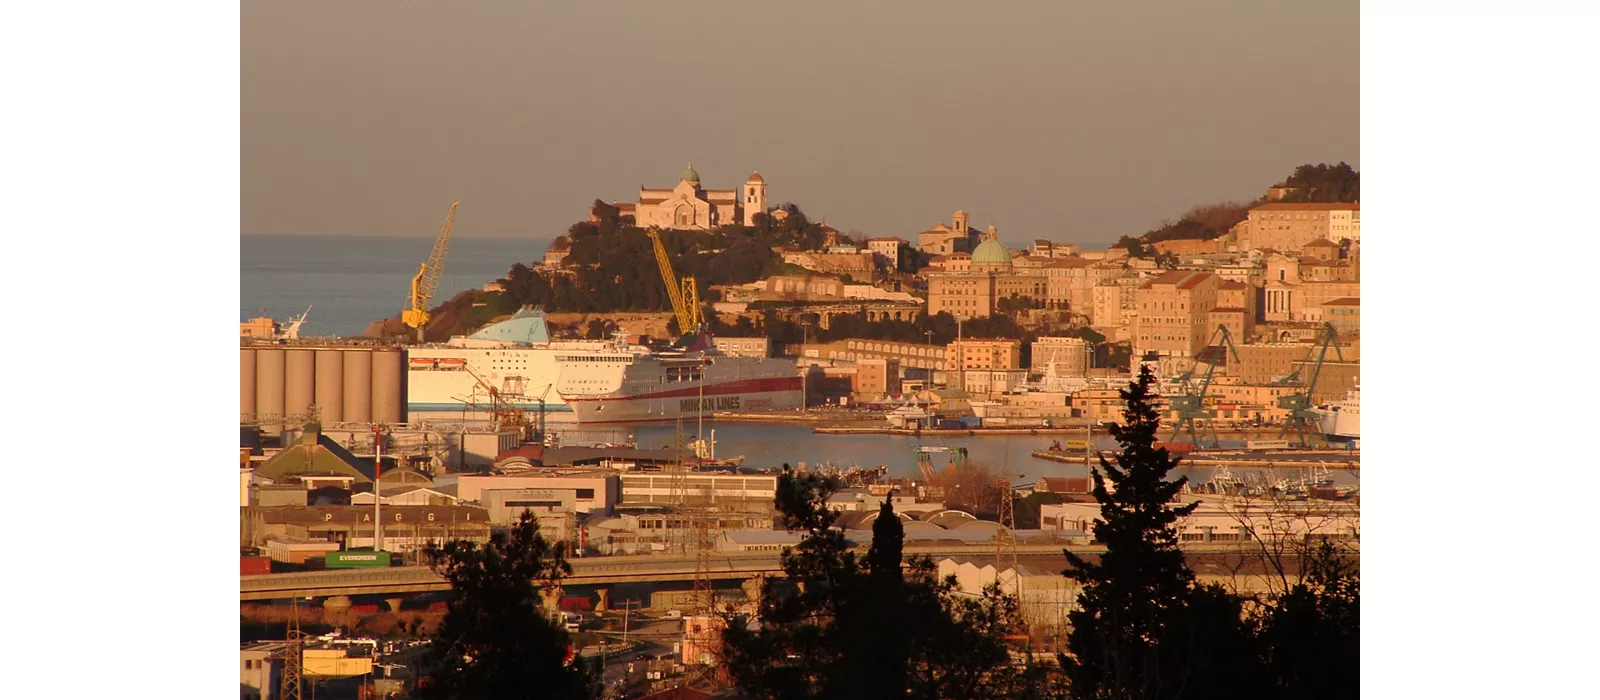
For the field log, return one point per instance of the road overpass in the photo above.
(606, 571)
(586, 571)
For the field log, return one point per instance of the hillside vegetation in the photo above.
(1309, 183)
(611, 267)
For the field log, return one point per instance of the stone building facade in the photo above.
(690, 206)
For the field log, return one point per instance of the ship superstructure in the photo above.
(1341, 420)
(516, 357)
(689, 381)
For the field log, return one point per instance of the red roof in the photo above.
(1344, 301)
(1233, 284)
(1195, 280)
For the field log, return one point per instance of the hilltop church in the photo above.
(692, 207)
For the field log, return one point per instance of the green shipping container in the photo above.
(357, 560)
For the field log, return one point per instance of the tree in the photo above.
(1311, 635)
(497, 640)
(1143, 628)
(841, 625)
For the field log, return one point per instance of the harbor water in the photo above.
(351, 281)
(772, 445)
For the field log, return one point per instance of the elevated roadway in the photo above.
(612, 570)
(586, 571)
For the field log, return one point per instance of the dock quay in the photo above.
(949, 432)
(1282, 459)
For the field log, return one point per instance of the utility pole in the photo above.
(377, 492)
(700, 415)
(805, 338)
(961, 359)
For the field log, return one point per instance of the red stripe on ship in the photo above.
(743, 386)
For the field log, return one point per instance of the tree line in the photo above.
(842, 624)
(1320, 183)
(611, 263)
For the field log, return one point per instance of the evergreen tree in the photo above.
(497, 640)
(1144, 630)
(1312, 633)
(840, 625)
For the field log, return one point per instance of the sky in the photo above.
(1076, 121)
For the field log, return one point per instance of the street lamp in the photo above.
(805, 337)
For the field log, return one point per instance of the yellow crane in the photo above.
(685, 298)
(426, 281)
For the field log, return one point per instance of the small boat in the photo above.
(422, 363)
(452, 363)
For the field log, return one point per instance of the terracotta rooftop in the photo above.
(1321, 243)
(1233, 284)
(1344, 301)
(1195, 279)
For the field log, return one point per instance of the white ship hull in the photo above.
(514, 357)
(1341, 420)
(658, 389)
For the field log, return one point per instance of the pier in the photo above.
(1278, 459)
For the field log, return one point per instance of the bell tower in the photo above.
(754, 200)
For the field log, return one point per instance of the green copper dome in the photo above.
(992, 252)
(689, 175)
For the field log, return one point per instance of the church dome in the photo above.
(755, 178)
(991, 252)
(689, 175)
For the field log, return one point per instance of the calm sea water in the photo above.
(351, 281)
(767, 445)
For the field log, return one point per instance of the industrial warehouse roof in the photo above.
(346, 515)
(316, 454)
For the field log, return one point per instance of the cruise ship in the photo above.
(1341, 420)
(692, 379)
(516, 357)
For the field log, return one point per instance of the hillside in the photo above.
(1308, 183)
(611, 268)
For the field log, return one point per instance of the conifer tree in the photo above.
(497, 640)
(841, 625)
(1123, 632)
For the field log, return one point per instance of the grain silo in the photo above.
(388, 376)
(269, 389)
(300, 386)
(329, 395)
(247, 383)
(358, 386)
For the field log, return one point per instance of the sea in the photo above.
(351, 281)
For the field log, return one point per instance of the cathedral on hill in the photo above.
(693, 207)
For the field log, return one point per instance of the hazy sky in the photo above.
(1050, 119)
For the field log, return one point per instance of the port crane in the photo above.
(504, 411)
(958, 457)
(426, 281)
(1299, 403)
(292, 330)
(683, 293)
(1192, 404)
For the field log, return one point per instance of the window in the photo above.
(587, 494)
